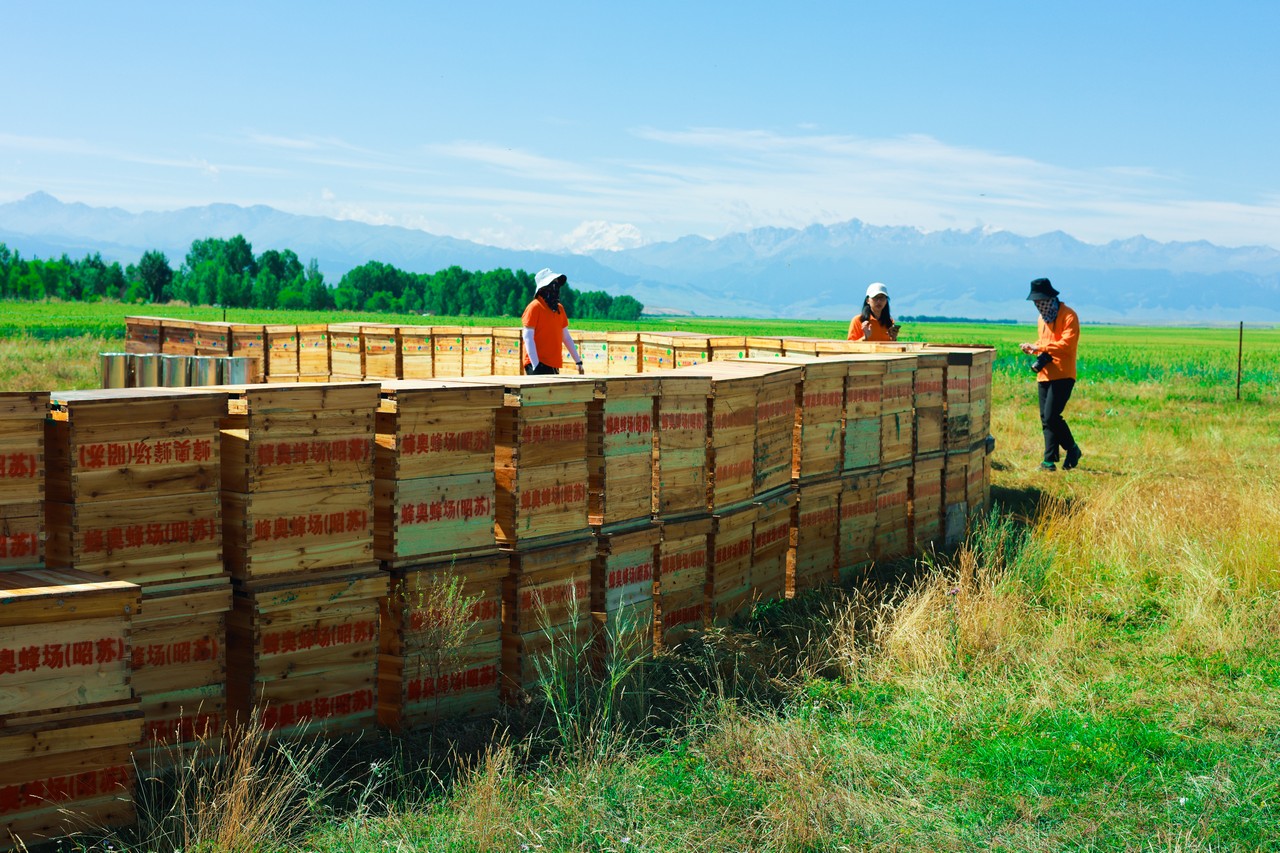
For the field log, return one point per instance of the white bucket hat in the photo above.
(543, 277)
(877, 289)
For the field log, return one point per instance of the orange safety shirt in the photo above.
(548, 331)
(1060, 340)
(878, 332)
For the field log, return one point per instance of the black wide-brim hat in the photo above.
(1041, 289)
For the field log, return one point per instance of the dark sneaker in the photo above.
(1073, 458)
(1049, 466)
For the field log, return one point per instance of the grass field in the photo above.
(1097, 669)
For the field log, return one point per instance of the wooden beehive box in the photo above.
(968, 394)
(593, 346)
(732, 410)
(541, 460)
(304, 653)
(346, 352)
(926, 501)
(681, 462)
(249, 340)
(22, 484)
(179, 670)
(859, 493)
(727, 347)
(64, 644)
(729, 587)
(622, 581)
(382, 350)
(297, 479)
(477, 351)
(177, 337)
(435, 492)
(978, 485)
(765, 347)
(771, 539)
(777, 389)
(818, 447)
(132, 479)
(440, 648)
(142, 334)
(681, 585)
(313, 352)
(657, 352)
(955, 497)
(282, 353)
(620, 442)
(624, 353)
(862, 425)
(417, 353)
(929, 399)
(60, 777)
(446, 342)
(212, 338)
(802, 346)
(546, 606)
(897, 413)
(815, 534)
(893, 535)
(508, 351)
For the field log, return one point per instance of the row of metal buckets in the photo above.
(161, 370)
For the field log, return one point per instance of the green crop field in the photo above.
(1096, 669)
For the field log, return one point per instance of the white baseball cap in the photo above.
(543, 277)
(877, 289)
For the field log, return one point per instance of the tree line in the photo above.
(226, 272)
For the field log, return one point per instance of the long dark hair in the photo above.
(886, 319)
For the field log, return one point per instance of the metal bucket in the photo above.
(204, 370)
(115, 370)
(175, 370)
(239, 371)
(146, 370)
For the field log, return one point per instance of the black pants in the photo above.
(543, 369)
(1053, 400)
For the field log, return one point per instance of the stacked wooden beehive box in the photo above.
(297, 498)
(541, 522)
(441, 631)
(417, 353)
(313, 352)
(132, 495)
(346, 352)
(282, 353)
(69, 721)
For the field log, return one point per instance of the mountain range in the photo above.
(816, 272)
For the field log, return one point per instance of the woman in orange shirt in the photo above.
(875, 323)
(1055, 368)
(545, 327)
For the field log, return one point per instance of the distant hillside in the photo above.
(816, 272)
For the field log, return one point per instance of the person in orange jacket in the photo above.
(1055, 368)
(545, 327)
(875, 323)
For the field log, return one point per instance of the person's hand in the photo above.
(866, 330)
(893, 331)
(1029, 349)
(582, 371)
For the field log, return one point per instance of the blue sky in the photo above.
(603, 125)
